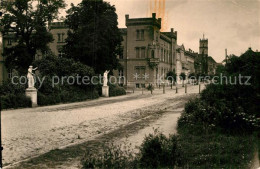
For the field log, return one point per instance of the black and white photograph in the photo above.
(129, 84)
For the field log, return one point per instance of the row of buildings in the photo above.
(148, 54)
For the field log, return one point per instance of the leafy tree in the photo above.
(220, 69)
(183, 77)
(248, 64)
(94, 38)
(171, 75)
(26, 21)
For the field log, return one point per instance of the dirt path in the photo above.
(63, 135)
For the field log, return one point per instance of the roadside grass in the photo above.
(214, 149)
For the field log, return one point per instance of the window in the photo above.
(9, 42)
(140, 72)
(140, 34)
(10, 74)
(164, 56)
(137, 85)
(152, 54)
(161, 54)
(121, 56)
(142, 52)
(137, 34)
(59, 37)
(62, 37)
(121, 73)
(60, 53)
(137, 52)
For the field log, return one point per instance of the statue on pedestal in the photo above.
(105, 79)
(30, 77)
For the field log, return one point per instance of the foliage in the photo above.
(13, 96)
(94, 38)
(9, 101)
(219, 107)
(220, 69)
(66, 95)
(171, 75)
(248, 64)
(26, 21)
(62, 92)
(213, 149)
(158, 151)
(183, 76)
(115, 90)
(192, 76)
(150, 87)
(112, 157)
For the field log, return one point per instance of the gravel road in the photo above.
(31, 133)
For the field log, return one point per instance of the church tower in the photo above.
(204, 55)
(203, 46)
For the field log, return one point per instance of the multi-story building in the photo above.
(185, 61)
(149, 54)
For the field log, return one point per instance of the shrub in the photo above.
(15, 101)
(111, 157)
(13, 96)
(115, 90)
(200, 149)
(158, 151)
(66, 95)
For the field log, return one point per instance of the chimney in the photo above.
(154, 15)
(172, 30)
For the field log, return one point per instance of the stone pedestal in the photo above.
(105, 91)
(32, 93)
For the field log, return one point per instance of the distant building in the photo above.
(205, 64)
(59, 32)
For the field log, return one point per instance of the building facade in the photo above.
(149, 54)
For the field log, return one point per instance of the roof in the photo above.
(211, 59)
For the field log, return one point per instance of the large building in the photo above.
(150, 54)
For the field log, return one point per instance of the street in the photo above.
(30, 133)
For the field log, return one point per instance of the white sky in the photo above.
(231, 24)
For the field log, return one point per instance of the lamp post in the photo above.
(1, 148)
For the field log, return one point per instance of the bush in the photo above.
(15, 101)
(66, 95)
(111, 157)
(158, 151)
(201, 149)
(13, 96)
(115, 90)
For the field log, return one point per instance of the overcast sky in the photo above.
(231, 24)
